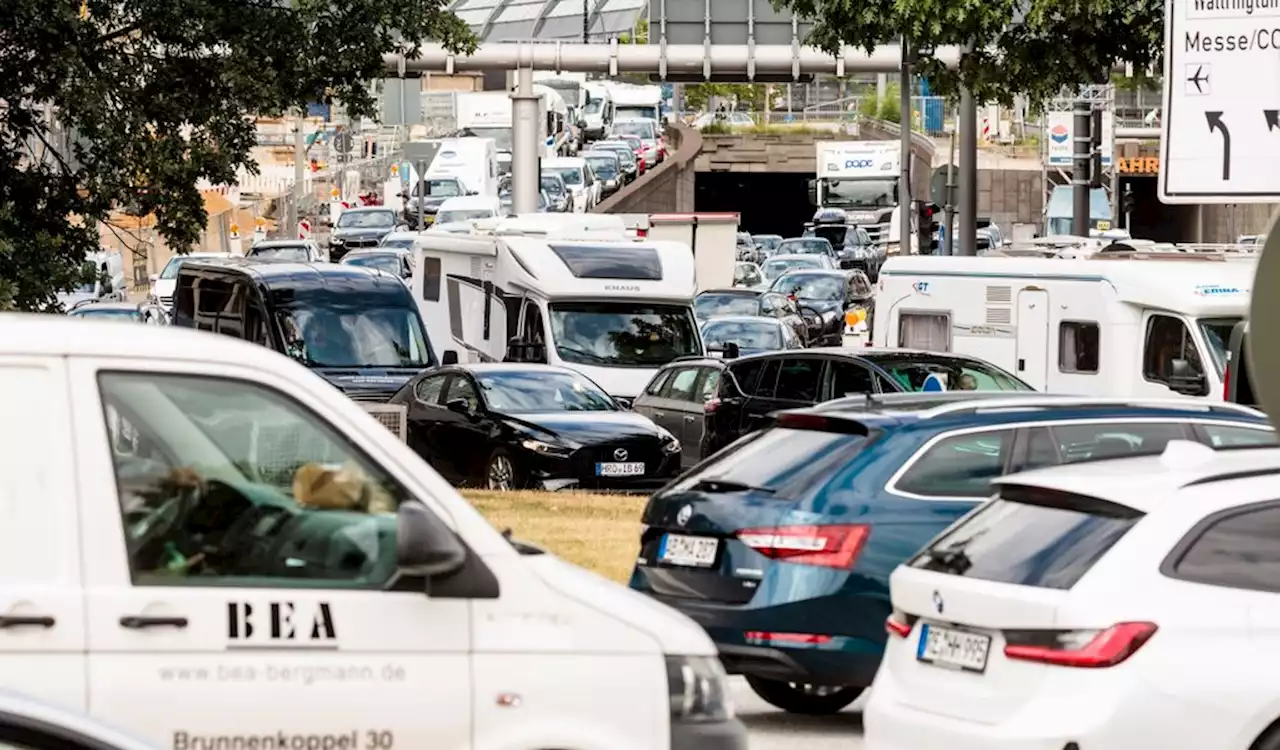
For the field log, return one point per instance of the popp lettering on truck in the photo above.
(228, 553)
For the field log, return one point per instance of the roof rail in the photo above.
(872, 401)
(1227, 476)
(1049, 401)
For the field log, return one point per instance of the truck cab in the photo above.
(863, 178)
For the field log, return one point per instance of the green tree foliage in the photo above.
(161, 94)
(1034, 47)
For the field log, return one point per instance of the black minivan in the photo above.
(357, 328)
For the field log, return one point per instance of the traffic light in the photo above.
(928, 228)
(1095, 148)
(1126, 200)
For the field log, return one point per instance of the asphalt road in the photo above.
(772, 729)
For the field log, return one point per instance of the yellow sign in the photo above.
(855, 316)
(1145, 165)
(1104, 226)
(395, 170)
(259, 222)
(334, 193)
(235, 229)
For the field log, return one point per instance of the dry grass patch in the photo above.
(598, 532)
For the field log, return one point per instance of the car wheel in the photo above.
(500, 472)
(802, 698)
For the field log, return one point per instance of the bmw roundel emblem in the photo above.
(937, 602)
(684, 515)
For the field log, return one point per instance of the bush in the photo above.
(716, 128)
(890, 107)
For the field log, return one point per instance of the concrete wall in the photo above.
(1011, 196)
(667, 188)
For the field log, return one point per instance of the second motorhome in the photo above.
(1138, 326)
(614, 309)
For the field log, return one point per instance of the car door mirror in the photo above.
(154, 277)
(459, 406)
(425, 547)
(1186, 379)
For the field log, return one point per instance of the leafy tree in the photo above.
(159, 94)
(1034, 47)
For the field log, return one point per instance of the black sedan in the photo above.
(361, 227)
(826, 299)
(714, 303)
(511, 426)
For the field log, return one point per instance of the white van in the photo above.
(1097, 326)
(469, 208)
(597, 113)
(613, 309)
(209, 545)
(578, 178)
(474, 161)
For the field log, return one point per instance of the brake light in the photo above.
(1226, 382)
(710, 405)
(1089, 649)
(790, 639)
(897, 625)
(823, 546)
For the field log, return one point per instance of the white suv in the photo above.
(1121, 604)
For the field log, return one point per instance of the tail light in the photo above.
(898, 625)
(823, 546)
(1089, 649)
(710, 405)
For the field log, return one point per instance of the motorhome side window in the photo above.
(430, 279)
(1078, 346)
(245, 487)
(1167, 340)
(534, 331)
(928, 331)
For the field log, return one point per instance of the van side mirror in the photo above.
(153, 278)
(1186, 380)
(425, 547)
(450, 357)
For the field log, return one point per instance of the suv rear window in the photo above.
(1030, 537)
(778, 458)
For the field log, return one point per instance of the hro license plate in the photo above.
(629, 469)
(691, 551)
(957, 649)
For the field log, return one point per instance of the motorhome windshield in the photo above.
(464, 214)
(367, 220)
(623, 334)
(439, 188)
(1217, 335)
(639, 112)
(501, 136)
(319, 333)
(860, 193)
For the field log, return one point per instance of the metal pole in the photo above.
(1081, 157)
(422, 194)
(586, 21)
(299, 175)
(524, 137)
(949, 210)
(967, 125)
(905, 203)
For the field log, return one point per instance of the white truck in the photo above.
(863, 178)
(474, 161)
(636, 102)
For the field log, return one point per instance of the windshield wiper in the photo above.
(584, 353)
(717, 484)
(950, 560)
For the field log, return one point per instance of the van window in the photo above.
(960, 466)
(262, 491)
(1078, 345)
(1167, 339)
(928, 331)
(430, 279)
(323, 333)
(659, 381)
(212, 304)
(746, 375)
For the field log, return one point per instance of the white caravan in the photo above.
(636, 102)
(1132, 327)
(466, 208)
(713, 239)
(597, 112)
(613, 309)
(474, 161)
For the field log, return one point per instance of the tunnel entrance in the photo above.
(1153, 220)
(768, 203)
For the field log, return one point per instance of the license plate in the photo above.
(692, 551)
(630, 469)
(957, 649)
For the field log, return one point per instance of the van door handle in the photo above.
(18, 621)
(139, 622)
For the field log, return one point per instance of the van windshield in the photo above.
(623, 334)
(593, 106)
(321, 334)
(1217, 334)
(464, 214)
(570, 175)
(859, 193)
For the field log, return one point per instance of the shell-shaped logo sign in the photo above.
(1059, 133)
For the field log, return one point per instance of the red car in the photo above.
(637, 146)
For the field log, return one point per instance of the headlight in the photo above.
(546, 449)
(670, 444)
(699, 689)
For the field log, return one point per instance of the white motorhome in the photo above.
(1127, 327)
(474, 161)
(713, 239)
(862, 178)
(613, 309)
(597, 112)
(636, 102)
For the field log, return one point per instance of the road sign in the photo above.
(1221, 103)
(343, 142)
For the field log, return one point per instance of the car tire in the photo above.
(501, 473)
(799, 698)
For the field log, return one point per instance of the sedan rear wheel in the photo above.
(803, 698)
(500, 472)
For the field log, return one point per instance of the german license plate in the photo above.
(690, 551)
(957, 649)
(628, 469)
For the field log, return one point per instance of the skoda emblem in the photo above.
(620, 454)
(937, 602)
(684, 515)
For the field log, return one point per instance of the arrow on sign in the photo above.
(1273, 118)
(1216, 123)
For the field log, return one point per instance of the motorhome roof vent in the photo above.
(999, 295)
(614, 261)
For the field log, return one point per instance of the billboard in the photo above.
(1060, 130)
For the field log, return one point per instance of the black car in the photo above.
(607, 168)
(825, 298)
(853, 245)
(508, 426)
(739, 301)
(626, 158)
(752, 388)
(393, 260)
(361, 227)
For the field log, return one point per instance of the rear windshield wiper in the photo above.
(950, 560)
(713, 484)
